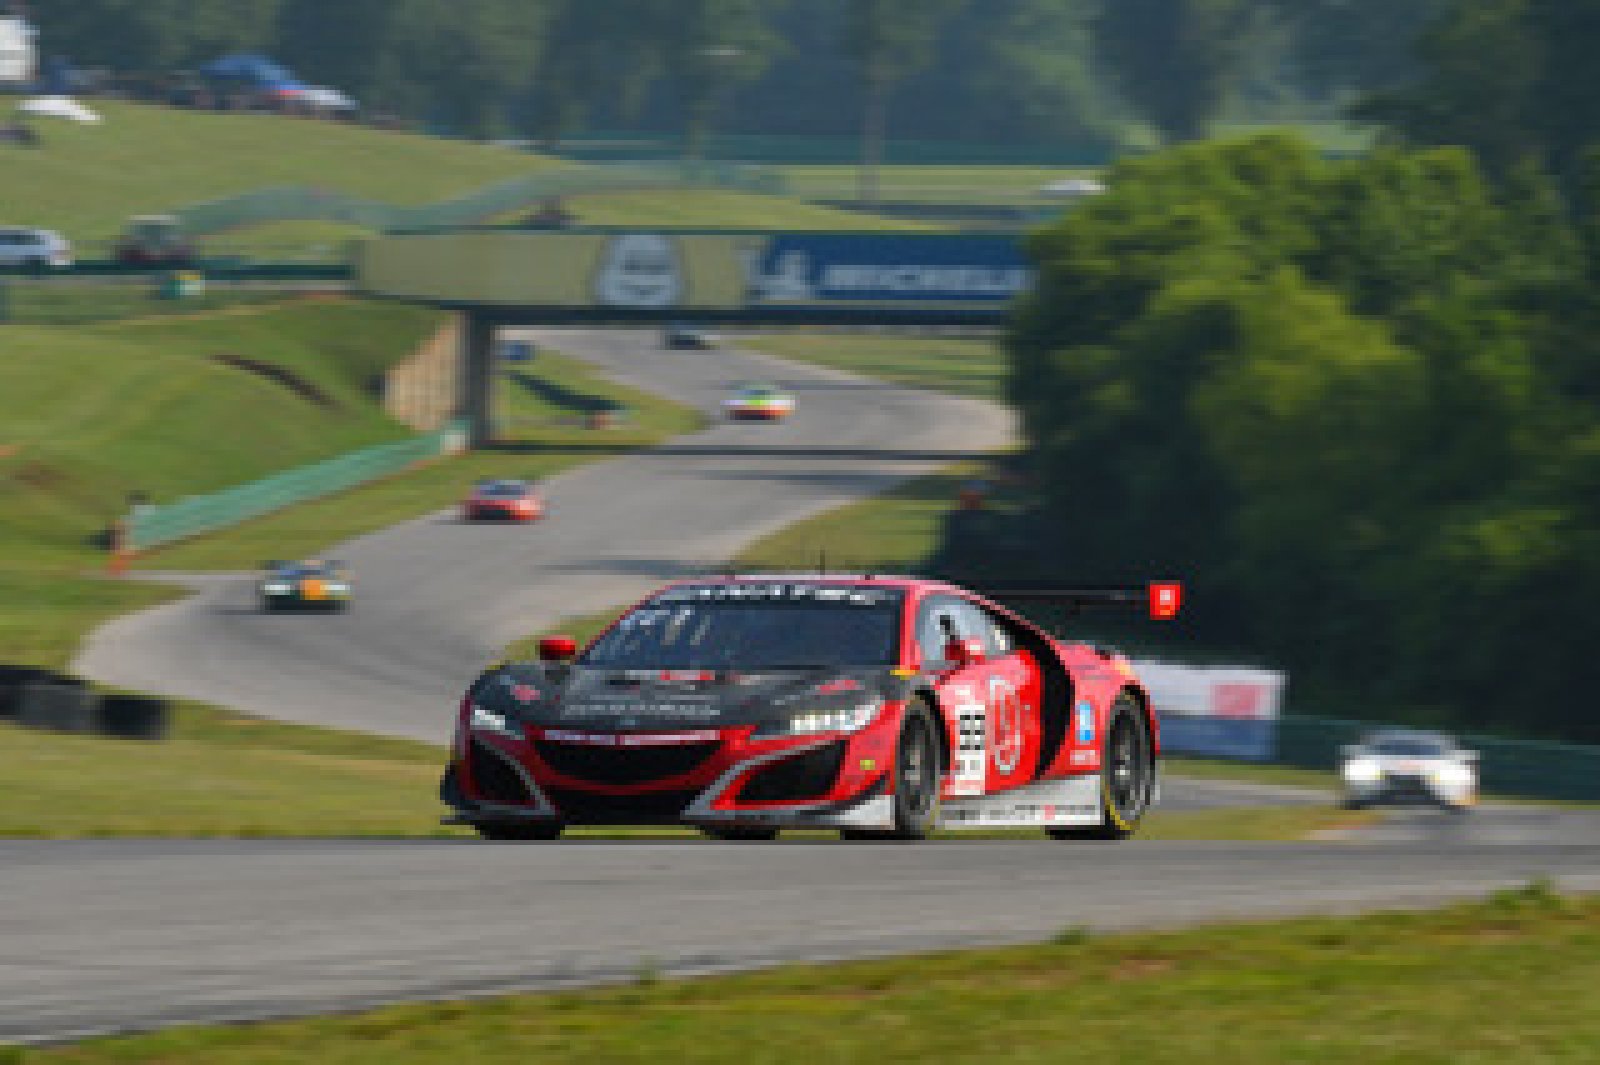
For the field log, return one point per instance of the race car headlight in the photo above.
(337, 587)
(1452, 774)
(277, 588)
(1361, 771)
(483, 720)
(813, 722)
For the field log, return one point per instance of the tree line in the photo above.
(1093, 72)
(1354, 403)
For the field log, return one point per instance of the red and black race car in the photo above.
(881, 707)
(502, 500)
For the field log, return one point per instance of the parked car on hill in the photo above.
(41, 249)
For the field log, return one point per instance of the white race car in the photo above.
(1402, 766)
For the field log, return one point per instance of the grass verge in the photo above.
(219, 775)
(964, 367)
(1396, 987)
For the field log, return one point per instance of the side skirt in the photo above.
(1069, 802)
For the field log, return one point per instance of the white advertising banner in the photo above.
(1223, 711)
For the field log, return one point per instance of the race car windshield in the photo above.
(1409, 747)
(749, 636)
(503, 490)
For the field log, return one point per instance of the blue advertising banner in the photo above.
(823, 268)
(1220, 737)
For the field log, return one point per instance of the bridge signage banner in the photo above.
(668, 273)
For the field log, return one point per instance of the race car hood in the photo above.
(581, 697)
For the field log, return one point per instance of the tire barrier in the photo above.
(59, 706)
(134, 717)
(38, 698)
(12, 680)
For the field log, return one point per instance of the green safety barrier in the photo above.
(301, 203)
(777, 149)
(1532, 768)
(152, 526)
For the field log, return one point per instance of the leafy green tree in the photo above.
(1337, 397)
(1176, 60)
(153, 36)
(888, 39)
(707, 48)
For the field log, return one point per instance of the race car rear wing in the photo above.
(1161, 598)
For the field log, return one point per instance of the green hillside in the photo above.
(86, 180)
(169, 407)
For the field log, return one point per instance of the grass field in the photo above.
(932, 184)
(1513, 978)
(959, 365)
(715, 209)
(87, 180)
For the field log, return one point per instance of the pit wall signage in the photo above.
(661, 271)
(1223, 711)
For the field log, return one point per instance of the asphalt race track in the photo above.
(99, 936)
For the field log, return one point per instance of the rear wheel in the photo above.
(917, 772)
(1127, 779)
(516, 831)
(741, 835)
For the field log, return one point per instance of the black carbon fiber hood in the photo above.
(580, 697)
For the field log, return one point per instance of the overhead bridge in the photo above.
(499, 277)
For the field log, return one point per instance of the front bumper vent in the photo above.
(493, 780)
(624, 765)
(652, 807)
(805, 776)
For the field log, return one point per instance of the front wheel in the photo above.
(917, 773)
(519, 831)
(1127, 779)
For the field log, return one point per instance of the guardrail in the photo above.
(151, 526)
(304, 203)
(213, 269)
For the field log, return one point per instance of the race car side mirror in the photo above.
(961, 653)
(558, 649)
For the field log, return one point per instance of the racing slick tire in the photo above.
(1128, 778)
(519, 831)
(741, 835)
(917, 773)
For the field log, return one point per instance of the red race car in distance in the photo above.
(880, 707)
(503, 500)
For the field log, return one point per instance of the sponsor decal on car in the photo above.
(1005, 718)
(1083, 717)
(739, 593)
(632, 739)
(626, 710)
(967, 772)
